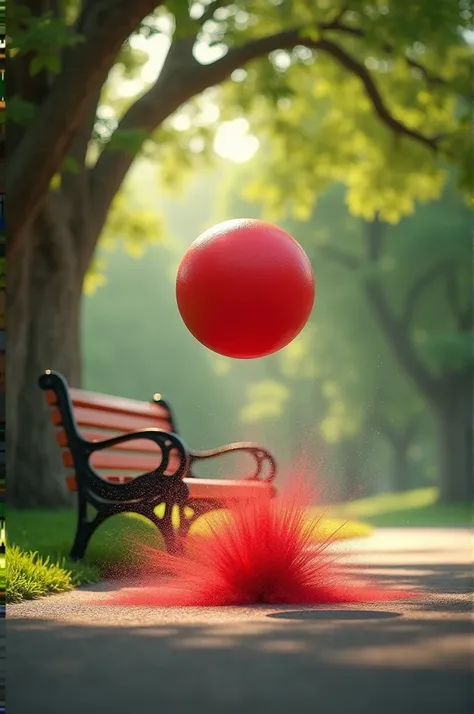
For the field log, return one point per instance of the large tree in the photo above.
(437, 357)
(67, 160)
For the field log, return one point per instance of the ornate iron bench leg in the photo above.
(84, 532)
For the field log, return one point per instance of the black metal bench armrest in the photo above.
(164, 439)
(260, 455)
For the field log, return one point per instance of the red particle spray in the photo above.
(260, 553)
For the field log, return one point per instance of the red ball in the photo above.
(245, 288)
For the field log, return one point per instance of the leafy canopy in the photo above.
(373, 93)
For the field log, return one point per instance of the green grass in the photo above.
(415, 509)
(44, 538)
(29, 575)
(2, 574)
(39, 543)
(37, 565)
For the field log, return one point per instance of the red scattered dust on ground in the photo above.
(261, 553)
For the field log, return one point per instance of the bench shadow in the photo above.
(333, 615)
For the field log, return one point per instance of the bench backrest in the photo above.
(101, 416)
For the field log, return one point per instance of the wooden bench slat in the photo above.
(108, 403)
(124, 462)
(71, 482)
(110, 420)
(120, 405)
(222, 490)
(207, 489)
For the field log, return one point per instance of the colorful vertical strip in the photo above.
(2, 81)
(2, 292)
(2, 375)
(2, 362)
(2, 284)
(3, 339)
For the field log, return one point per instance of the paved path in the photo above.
(401, 658)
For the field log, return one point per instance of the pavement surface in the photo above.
(64, 655)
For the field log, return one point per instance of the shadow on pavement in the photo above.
(359, 661)
(333, 615)
(444, 588)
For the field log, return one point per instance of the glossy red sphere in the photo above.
(245, 288)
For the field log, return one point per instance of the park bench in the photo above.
(146, 466)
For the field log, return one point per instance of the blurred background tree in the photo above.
(370, 95)
(392, 328)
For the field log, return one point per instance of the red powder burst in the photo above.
(263, 553)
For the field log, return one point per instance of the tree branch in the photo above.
(371, 89)
(211, 8)
(340, 14)
(430, 77)
(400, 342)
(78, 152)
(288, 39)
(182, 78)
(462, 315)
(418, 288)
(447, 272)
(340, 256)
(84, 69)
(394, 328)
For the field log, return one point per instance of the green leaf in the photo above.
(53, 63)
(311, 33)
(95, 277)
(36, 65)
(133, 224)
(130, 141)
(19, 111)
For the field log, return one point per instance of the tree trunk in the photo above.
(454, 423)
(401, 473)
(449, 394)
(44, 292)
(399, 441)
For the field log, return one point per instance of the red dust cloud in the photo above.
(260, 553)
